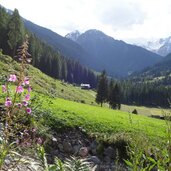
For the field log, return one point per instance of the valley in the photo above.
(121, 120)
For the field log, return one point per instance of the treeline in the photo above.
(12, 34)
(147, 94)
(130, 92)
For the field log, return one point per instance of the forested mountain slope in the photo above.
(44, 57)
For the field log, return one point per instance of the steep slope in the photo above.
(65, 46)
(46, 85)
(117, 57)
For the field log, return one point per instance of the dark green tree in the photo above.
(15, 31)
(64, 70)
(114, 96)
(117, 93)
(102, 89)
(4, 17)
(111, 94)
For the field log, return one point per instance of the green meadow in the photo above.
(73, 107)
(97, 120)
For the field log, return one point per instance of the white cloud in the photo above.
(122, 14)
(122, 19)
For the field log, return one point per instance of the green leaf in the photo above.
(128, 163)
(151, 160)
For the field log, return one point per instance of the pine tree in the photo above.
(117, 94)
(114, 96)
(15, 31)
(4, 17)
(102, 89)
(111, 94)
(64, 70)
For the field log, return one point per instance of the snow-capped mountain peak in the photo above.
(73, 35)
(160, 46)
(155, 45)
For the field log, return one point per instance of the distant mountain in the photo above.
(161, 46)
(73, 35)
(162, 68)
(166, 48)
(116, 57)
(159, 73)
(97, 50)
(65, 46)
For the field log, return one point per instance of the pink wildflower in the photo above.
(27, 97)
(25, 103)
(29, 89)
(28, 110)
(12, 78)
(26, 81)
(4, 88)
(19, 89)
(19, 105)
(8, 102)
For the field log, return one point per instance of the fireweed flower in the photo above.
(4, 88)
(19, 105)
(25, 103)
(19, 89)
(8, 102)
(28, 110)
(12, 78)
(26, 81)
(29, 89)
(27, 97)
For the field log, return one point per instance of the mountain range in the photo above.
(160, 46)
(97, 50)
(116, 56)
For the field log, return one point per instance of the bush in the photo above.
(135, 111)
(82, 101)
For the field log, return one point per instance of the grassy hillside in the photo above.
(93, 119)
(47, 85)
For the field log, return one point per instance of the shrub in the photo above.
(82, 101)
(135, 111)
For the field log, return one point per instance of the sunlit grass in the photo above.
(95, 119)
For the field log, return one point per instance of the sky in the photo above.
(128, 20)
